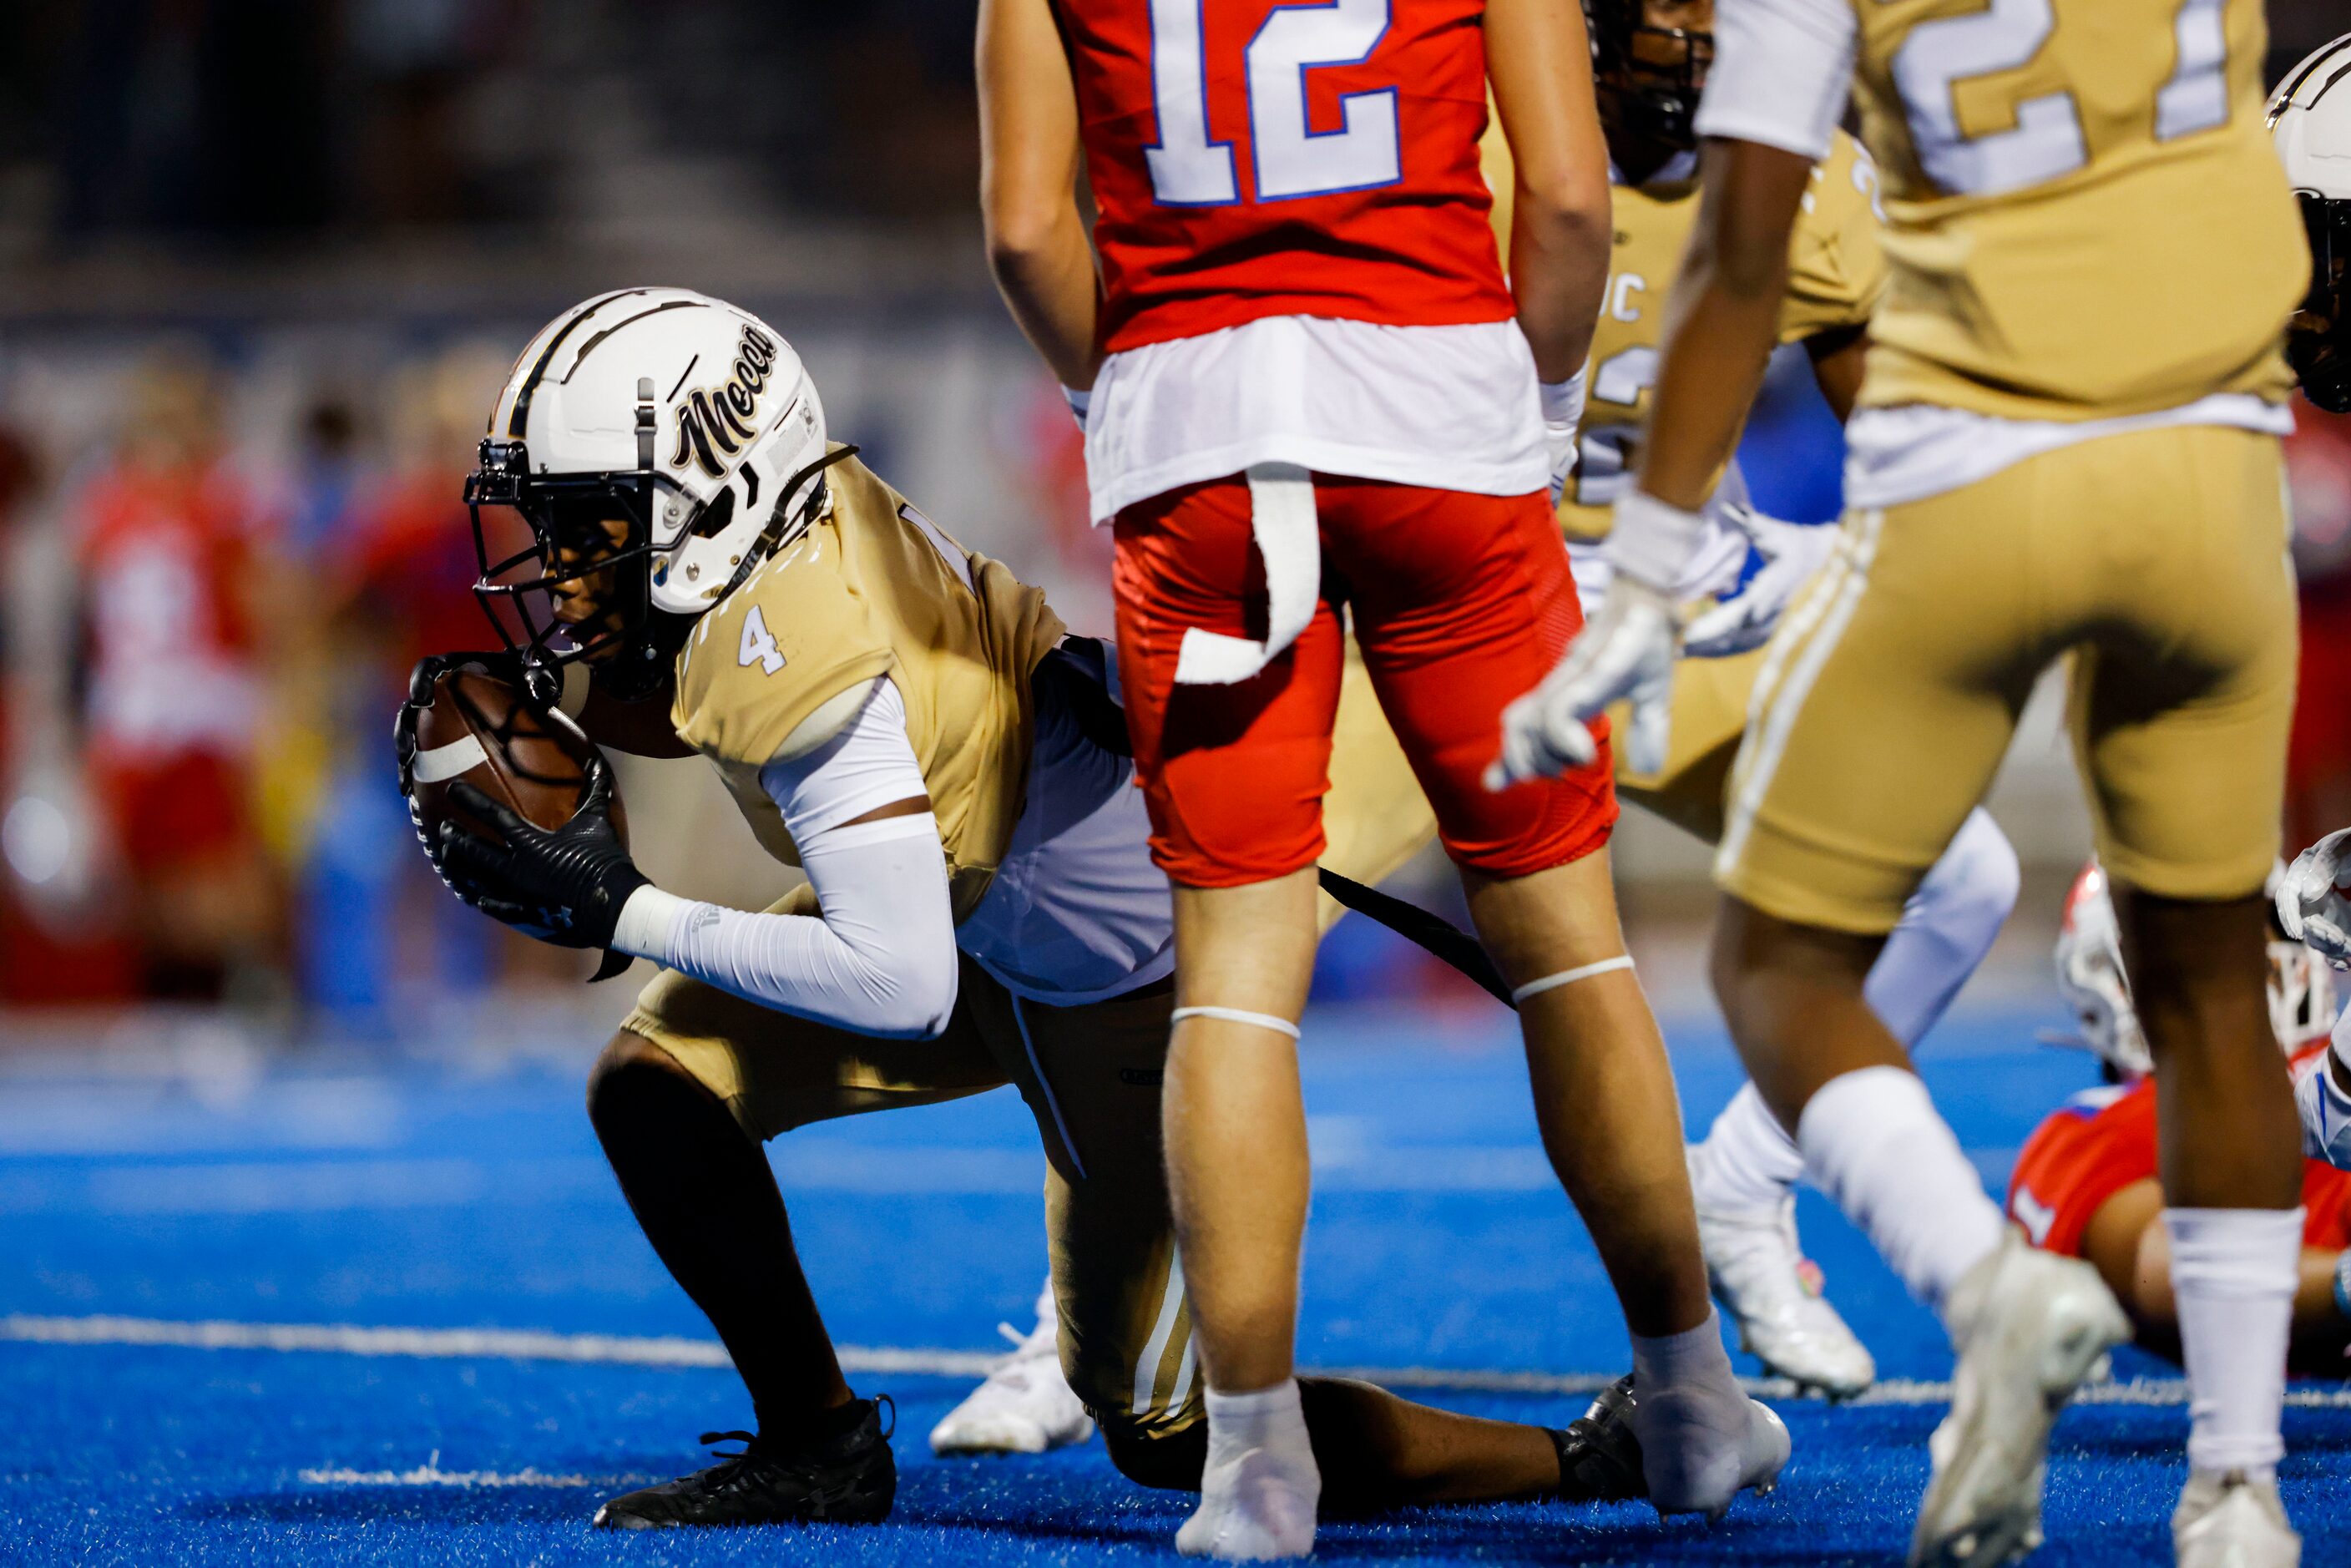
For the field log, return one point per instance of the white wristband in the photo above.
(1563, 402)
(646, 922)
(1653, 542)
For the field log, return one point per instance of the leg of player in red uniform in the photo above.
(1234, 759)
(1457, 597)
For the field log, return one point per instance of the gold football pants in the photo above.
(2155, 559)
(1091, 1077)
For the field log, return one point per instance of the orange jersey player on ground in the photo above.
(2086, 1183)
(1311, 398)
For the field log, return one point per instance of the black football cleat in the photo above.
(1599, 1458)
(845, 1477)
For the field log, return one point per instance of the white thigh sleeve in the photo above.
(1947, 928)
(1783, 71)
(881, 957)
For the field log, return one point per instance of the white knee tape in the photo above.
(1568, 976)
(1235, 1015)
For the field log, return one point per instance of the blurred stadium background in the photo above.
(262, 264)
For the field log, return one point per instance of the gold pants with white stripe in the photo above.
(2154, 560)
(1091, 1076)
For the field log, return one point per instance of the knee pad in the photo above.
(1169, 1461)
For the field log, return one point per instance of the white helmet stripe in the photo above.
(518, 413)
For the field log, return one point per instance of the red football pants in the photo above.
(1461, 604)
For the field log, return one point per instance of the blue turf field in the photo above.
(423, 1197)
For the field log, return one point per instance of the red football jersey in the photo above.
(2102, 1141)
(1251, 158)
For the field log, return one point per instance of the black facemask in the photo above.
(631, 644)
(1648, 108)
(2318, 344)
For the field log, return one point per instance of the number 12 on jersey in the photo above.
(1189, 168)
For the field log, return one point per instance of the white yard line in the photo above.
(670, 1351)
(430, 1474)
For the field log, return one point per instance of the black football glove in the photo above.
(564, 886)
(504, 666)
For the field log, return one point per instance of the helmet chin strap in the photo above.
(778, 524)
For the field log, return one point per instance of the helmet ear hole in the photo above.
(715, 515)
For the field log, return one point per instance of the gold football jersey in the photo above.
(874, 588)
(1835, 274)
(2084, 215)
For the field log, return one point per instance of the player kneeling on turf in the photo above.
(2085, 1184)
(912, 726)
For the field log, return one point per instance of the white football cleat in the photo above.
(1772, 1291)
(1026, 1406)
(2226, 1520)
(1258, 1507)
(2030, 1328)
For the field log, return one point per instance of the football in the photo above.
(531, 759)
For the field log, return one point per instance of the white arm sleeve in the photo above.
(881, 960)
(1783, 71)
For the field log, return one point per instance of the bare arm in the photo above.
(1722, 319)
(1029, 152)
(1837, 361)
(1541, 68)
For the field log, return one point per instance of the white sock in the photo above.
(1947, 928)
(1872, 1141)
(1690, 1415)
(1272, 1419)
(2233, 1273)
(1694, 1355)
(1261, 1486)
(1748, 1161)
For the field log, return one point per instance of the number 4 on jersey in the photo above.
(757, 647)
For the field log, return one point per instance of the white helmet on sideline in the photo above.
(667, 439)
(2091, 978)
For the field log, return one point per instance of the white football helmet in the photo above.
(2310, 122)
(686, 421)
(2091, 978)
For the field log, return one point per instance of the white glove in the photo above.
(2311, 904)
(1627, 651)
(1791, 552)
(1562, 411)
